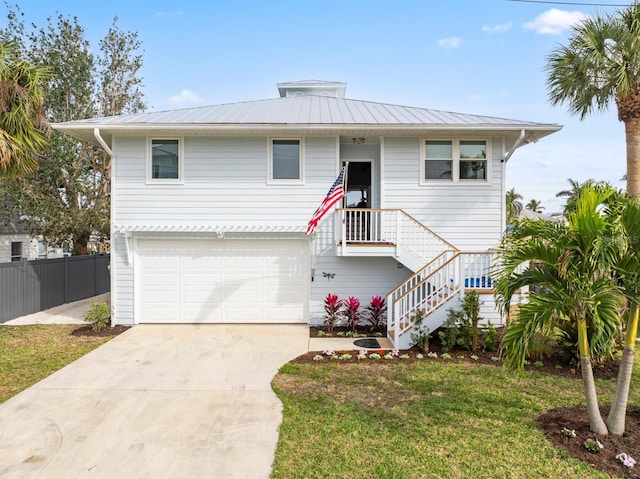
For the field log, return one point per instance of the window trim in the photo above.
(275, 181)
(20, 255)
(455, 169)
(165, 181)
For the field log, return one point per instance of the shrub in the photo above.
(332, 307)
(98, 314)
(489, 338)
(376, 309)
(352, 304)
(420, 335)
(462, 326)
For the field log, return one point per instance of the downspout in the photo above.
(103, 144)
(112, 273)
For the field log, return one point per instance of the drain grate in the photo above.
(367, 343)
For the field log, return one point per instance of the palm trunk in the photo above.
(596, 423)
(632, 137)
(618, 412)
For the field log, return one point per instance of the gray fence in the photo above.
(30, 286)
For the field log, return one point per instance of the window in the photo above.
(16, 250)
(165, 160)
(439, 162)
(286, 160)
(473, 160)
(454, 160)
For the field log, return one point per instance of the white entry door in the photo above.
(222, 281)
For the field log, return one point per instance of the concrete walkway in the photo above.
(158, 401)
(69, 313)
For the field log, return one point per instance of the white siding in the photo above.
(29, 247)
(467, 215)
(122, 284)
(354, 276)
(225, 183)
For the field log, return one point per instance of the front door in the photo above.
(359, 194)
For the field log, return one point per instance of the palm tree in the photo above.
(574, 266)
(573, 193)
(22, 122)
(628, 272)
(513, 205)
(601, 64)
(534, 205)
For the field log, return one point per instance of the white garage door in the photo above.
(216, 281)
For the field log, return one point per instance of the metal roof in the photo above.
(309, 114)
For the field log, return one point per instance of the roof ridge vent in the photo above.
(312, 87)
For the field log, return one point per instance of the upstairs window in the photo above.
(473, 160)
(439, 162)
(165, 162)
(286, 160)
(454, 161)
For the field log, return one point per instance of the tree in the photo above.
(513, 202)
(119, 65)
(601, 64)
(68, 200)
(586, 272)
(572, 194)
(534, 205)
(628, 275)
(23, 127)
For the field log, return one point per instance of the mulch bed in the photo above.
(553, 421)
(575, 418)
(108, 331)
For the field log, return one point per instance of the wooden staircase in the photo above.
(442, 271)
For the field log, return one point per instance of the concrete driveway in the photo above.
(158, 401)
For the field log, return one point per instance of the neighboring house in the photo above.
(534, 216)
(16, 244)
(210, 205)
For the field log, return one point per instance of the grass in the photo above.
(31, 353)
(428, 419)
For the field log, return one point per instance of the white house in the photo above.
(16, 244)
(210, 205)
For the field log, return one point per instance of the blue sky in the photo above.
(472, 56)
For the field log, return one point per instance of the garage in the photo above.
(222, 281)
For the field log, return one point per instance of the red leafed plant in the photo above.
(353, 312)
(376, 309)
(332, 306)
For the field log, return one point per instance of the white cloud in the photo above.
(186, 97)
(554, 21)
(451, 42)
(543, 164)
(169, 14)
(505, 27)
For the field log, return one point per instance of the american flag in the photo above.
(335, 194)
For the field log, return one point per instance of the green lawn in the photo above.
(31, 353)
(429, 419)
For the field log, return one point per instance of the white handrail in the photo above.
(434, 285)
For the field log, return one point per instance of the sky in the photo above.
(484, 57)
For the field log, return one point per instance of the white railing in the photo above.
(393, 227)
(428, 294)
(430, 288)
(476, 269)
